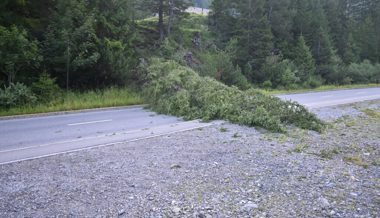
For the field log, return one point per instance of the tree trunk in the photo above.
(171, 9)
(161, 19)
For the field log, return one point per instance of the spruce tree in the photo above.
(303, 59)
(254, 37)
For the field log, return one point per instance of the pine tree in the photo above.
(351, 53)
(303, 59)
(280, 18)
(254, 37)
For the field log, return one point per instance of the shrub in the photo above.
(281, 72)
(16, 95)
(45, 88)
(364, 72)
(218, 65)
(178, 90)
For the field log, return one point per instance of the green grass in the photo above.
(372, 113)
(112, 97)
(321, 89)
(357, 160)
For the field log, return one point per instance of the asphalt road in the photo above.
(28, 138)
(41, 136)
(331, 98)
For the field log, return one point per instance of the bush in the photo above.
(364, 72)
(218, 65)
(45, 88)
(281, 72)
(313, 82)
(16, 95)
(177, 90)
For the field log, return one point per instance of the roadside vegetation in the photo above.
(27, 102)
(49, 58)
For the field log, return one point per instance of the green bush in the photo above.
(16, 95)
(45, 88)
(282, 73)
(364, 72)
(178, 90)
(218, 65)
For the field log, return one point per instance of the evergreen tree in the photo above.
(368, 40)
(303, 59)
(280, 18)
(223, 19)
(351, 53)
(254, 37)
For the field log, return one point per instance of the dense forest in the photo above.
(87, 44)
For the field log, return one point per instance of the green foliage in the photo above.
(177, 90)
(303, 59)
(281, 73)
(111, 97)
(16, 95)
(364, 72)
(17, 52)
(218, 65)
(45, 88)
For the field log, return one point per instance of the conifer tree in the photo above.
(303, 59)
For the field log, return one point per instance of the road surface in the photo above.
(34, 137)
(331, 98)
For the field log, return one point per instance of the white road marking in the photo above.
(360, 93)
(70, 141)
(202, 125)
(90, 122)
(327, 96)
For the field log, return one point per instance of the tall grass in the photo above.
(111, 97)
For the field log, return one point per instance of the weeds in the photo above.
(328, 153)
(371, 113)
(222, 129)
(300, 148)
(357, 160)
(76, 101)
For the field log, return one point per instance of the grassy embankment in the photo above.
(112, 97)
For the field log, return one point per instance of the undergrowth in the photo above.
(111, 97)
(178, 90)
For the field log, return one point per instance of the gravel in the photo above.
(241, 172)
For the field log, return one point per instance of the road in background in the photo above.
(331, 98)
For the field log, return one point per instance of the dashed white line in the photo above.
(90, 122)
(327, 96)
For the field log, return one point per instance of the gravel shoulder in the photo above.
(220, 171)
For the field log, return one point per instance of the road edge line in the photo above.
(108, 144)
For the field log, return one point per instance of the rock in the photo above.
(353, 194)
(324, 202)
(121, 212)
(176, 210)
(175, 166)
(250, 206)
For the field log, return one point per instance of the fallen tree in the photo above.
(177, 90)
